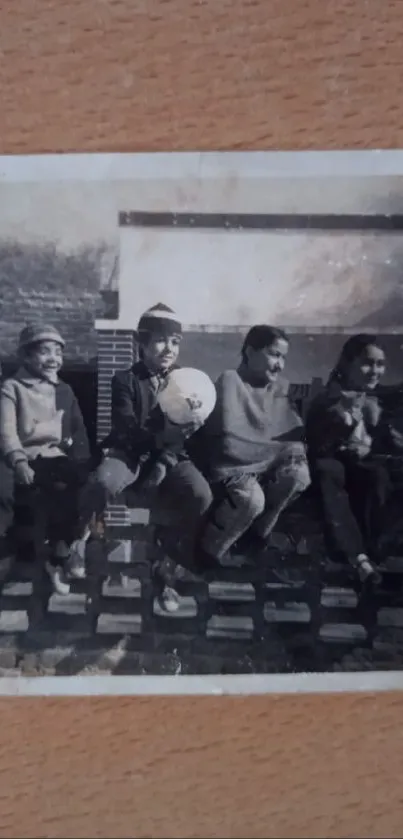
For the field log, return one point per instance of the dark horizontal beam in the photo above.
(260, 221)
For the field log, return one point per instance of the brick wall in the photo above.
(115, 352)
(73, 317)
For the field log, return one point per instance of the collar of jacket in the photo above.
(145, 373)
(23, 375)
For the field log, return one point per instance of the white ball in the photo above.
(188, 396)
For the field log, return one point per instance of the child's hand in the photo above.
(24, 474)
(172, 434)
(156, 476)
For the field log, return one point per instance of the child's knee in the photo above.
(301, 477)
(113, 476)
(200, 496)
(250, 499)
(293, 468)
(297, 476)
(203, 497)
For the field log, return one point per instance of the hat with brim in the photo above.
(35, 333)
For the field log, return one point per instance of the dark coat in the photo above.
(137, 418)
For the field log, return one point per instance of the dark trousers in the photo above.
(353, 497)
(61, 483)
(7, 500)
(178, 505)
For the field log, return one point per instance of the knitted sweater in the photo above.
(38, 417)
(249, 427)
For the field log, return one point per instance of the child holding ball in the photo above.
(145, 449)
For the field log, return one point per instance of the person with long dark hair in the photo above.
(351, 482)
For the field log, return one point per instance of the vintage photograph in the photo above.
(201, 414)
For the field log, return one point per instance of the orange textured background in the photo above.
(127, 75)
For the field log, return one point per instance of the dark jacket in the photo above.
(137, 418)
(340, 422)
(389, 437)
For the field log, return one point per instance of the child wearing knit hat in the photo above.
(144, 449)
(44, 443)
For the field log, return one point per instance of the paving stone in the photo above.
(51, 657)
(119, 624)
(118, 521)
(390, 617)
(13, 621)
(221, 626)
(140, 553)
(187, 609)
(283, 586)
(118, 513)
(357, 660)
(337, 598)
(16, 588)
(389, 637)
(237, 592)
(342, 632)
(71, 604)
(121, 551)
(9, 645)
(68, 661)
(287, 613)
(139, 515)
(124, 587)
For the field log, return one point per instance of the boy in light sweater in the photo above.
(44, 443)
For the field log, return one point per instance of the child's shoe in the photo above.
(57, 575)
(368, 573)
(162, 577)
(76, 562)
(169, 599)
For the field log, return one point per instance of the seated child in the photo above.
(43, 442)
(387, 448)
(145, 449)
(253, 446)
(352, 482)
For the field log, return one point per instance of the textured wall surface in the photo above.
(155, 74)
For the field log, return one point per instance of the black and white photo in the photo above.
(201, 416)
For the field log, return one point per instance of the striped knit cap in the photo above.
(160, 318)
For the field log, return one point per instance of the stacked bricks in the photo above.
(244, 620)
(116, 351)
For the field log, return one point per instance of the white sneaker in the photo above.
(76, 562)
(169, 599)
(367, 571)
(162, 573)
(57, 576)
